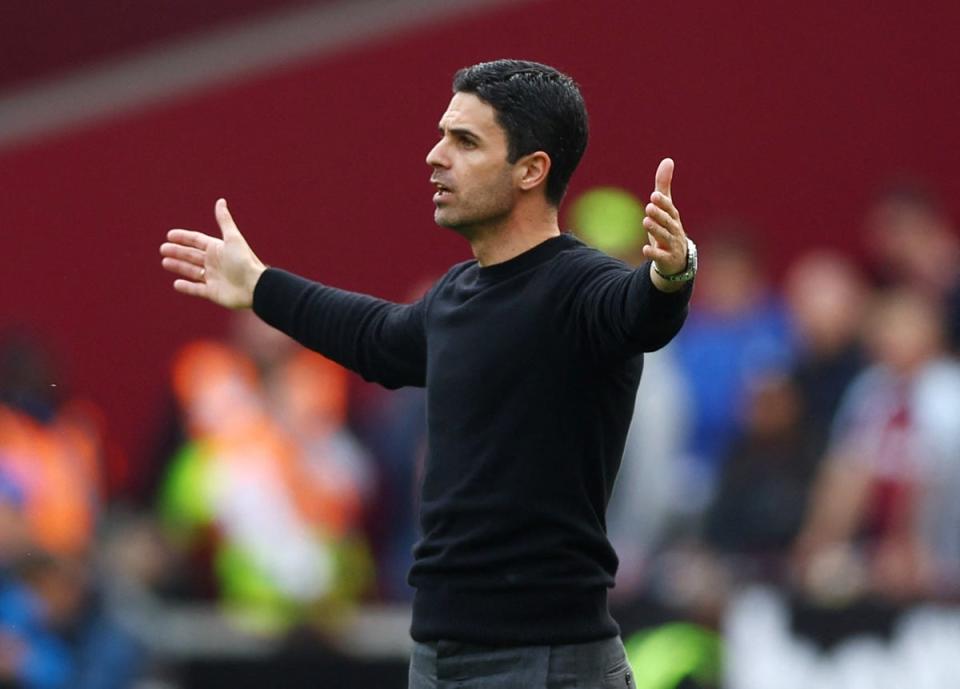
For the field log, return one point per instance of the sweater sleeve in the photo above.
(618, 312)
(384, 342)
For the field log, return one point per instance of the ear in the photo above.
(531, 170)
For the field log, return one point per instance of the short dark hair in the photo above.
(539, 108)
(911, 192)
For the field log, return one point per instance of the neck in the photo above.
(513, 235)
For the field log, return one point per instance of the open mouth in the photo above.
(443, 191)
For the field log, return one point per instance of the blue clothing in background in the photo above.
(719, 355)
(94, 653)
(47, 662)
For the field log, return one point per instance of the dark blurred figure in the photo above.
(884, 517)
(29, 381)
(394, 426)
(826, 297)
(914, 244)
(762, 495)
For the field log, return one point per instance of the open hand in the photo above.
(225, 271)
(667, 246)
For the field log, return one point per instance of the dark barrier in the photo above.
(298, 673)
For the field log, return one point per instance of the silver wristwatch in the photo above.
(687, 273)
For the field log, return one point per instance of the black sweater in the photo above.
(531, 368)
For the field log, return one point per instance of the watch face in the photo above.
(691, 255)
(691, 269)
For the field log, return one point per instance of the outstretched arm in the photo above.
(225, 271)
(382, 341)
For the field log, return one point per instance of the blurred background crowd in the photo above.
(190, 499)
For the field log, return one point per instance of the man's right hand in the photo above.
(225, 271)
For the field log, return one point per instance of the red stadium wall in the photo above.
(786, 114)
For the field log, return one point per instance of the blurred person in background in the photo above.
(51, 447)
(767, 472)
(826, 298)
(914, 244)
(766, 476)
(761, 497)
(56, 630)
(32, 654)
(531, 355)
(265, 347)
(738, 330)
(393, 425)
(269, 484)
(57, 633)
(884, 518)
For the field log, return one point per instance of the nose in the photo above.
(437, 157)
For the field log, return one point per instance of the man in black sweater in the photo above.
(531, 355)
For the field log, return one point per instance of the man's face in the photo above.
(473, 179)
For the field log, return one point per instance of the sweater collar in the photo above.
(541, 253)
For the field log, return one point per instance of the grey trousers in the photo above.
(451, 665)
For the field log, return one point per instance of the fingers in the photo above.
(228, 228)
(663, 248)
(183, 253)
(661, 225)
(191, 271)
(658, 200)
(197, 240)
(664, 177)
(658, 232)
(194, 289)
(662, 222)
(653, 253)
(662, 216)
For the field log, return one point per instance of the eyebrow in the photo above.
(459, 131)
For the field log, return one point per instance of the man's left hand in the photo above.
(667, 246)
